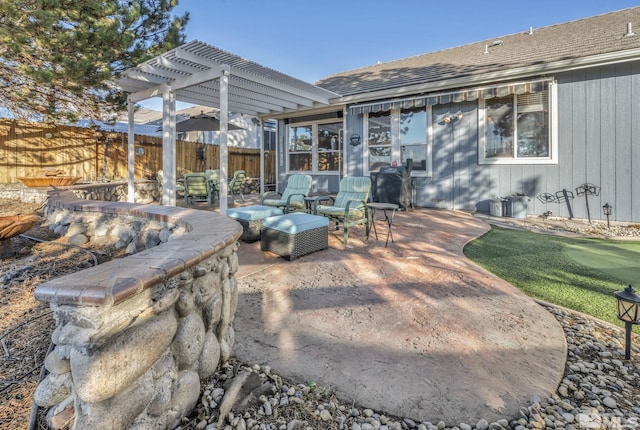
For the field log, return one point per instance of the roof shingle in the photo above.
(581, 38)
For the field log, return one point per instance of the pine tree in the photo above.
(58, 58)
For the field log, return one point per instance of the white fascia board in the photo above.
(498, 76)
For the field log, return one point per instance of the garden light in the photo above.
(607, 208)
(629, 312)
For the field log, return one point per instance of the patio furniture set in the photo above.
(293, 224)
(204, 186)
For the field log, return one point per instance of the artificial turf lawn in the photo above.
(580, 274)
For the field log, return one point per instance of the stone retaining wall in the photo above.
(145, 192)
(135, 336)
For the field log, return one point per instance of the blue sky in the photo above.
(311, 39)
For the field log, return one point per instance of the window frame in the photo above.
(315, 157)
(396, 145)
(552, 158)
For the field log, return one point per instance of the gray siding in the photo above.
(598, 132)
(599, 127)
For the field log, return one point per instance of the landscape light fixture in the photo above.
(607, 208)
(629, 312)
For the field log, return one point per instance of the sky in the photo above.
(310, 39)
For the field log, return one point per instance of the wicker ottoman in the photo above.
(250, 217)
(295, 234)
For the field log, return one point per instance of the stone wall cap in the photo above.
(117, 280)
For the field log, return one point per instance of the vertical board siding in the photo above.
(592, 111)
(634, 202)
(25, 151)
(623, 121)
(608, 137)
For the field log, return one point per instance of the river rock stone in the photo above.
(128, 355)
(189, 340)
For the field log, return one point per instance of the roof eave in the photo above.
(493, 77)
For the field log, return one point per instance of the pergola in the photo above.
(204, 75)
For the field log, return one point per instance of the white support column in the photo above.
(131, 151)
(224, 126)
(168, 147)
(261, 140)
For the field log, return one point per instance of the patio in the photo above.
(426, 335)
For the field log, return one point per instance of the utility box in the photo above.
(517, 206)
(498, 207)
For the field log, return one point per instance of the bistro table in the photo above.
(311, 202)
(389, 210)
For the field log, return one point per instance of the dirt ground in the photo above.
(26, 324)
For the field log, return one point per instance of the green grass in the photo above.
(579, 274)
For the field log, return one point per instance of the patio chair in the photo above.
(350, 205)
(292, 199)
(213, 175)
(236, 184)
(179, 186)
(197, 188)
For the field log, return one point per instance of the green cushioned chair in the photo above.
(179, 187)
(298, 187)
(197, 188)
(350, 205)
(236, 185)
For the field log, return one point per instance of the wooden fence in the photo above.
(27, 148)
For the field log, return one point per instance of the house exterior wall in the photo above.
(598, 129)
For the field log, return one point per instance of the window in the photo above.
(413, 138)
(519, 129)
(300, 148)
(399, 135)
(329, 146)
(315, 147)
(379, 140)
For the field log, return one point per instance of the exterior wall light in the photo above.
(629, 312)
(354, 140)
(607, 209)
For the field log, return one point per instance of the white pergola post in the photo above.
(131, 192)
(168, 147)
(261, 140)
(224, 126)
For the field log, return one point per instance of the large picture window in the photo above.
(518, 129)
(315, 147)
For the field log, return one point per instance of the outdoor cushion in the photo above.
(341, 211)
(254, 212)
(349, 207)
(298, 187)
(295, 222)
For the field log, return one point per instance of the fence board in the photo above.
(26, 148)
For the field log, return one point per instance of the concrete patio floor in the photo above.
(413, 330)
